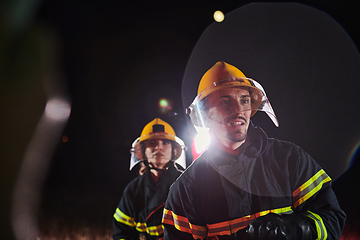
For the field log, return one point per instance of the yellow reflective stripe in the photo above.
(284, 210)
(232, 226)
(310, 187)
(215, 229)
(139, 226)
(123, 218)
(228, 227)
(155, 230)
(320, 226)
(182, 224)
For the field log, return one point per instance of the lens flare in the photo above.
(34, 168)
(200, 144)
(57, 109)
(65, 138)
(163, 103)
(353, 155)
(219, 16)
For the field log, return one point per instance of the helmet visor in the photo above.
(133, 158)
(227, 103)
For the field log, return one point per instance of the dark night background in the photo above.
(117, 60)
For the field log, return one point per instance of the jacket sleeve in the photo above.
(180, 219)
(314, 197)
(123, 222)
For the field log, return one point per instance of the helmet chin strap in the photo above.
(157, 169)
(150, 166)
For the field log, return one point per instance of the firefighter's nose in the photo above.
(236, 106)
(158, 145)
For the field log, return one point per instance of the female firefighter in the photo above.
(139, 213)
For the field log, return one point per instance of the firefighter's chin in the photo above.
(238, 136)
(225, 134)
(236, 129)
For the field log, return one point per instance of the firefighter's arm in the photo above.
(315, 198)
(315, 206)
(319, 217)
(180, 219)
(123, 219)
(123, 228)
(324, 211)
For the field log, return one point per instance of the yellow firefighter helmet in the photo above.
(223, 75)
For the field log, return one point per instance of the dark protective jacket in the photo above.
(141, 206)
(220, 194)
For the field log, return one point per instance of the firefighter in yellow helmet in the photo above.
(246, 185)
(138, 215)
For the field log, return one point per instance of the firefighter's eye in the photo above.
(151, 143)
(166, 142)
(224, 101)
(245, 101)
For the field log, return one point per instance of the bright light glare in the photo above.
(219, 16)
(163, 103)
(201, 142)
(57, 109)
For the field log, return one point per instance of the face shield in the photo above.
(179, 156)
(201, 112)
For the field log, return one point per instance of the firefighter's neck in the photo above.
(233, 148)
(156, 170)
(155, 174)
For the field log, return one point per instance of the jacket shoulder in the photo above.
(193, 172)
(135, 186)
(284, 146)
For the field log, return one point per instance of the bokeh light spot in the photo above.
(219, 16)
(57, 109)
(65, 138)
(163, 103)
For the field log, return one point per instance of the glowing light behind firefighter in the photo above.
(201, 142)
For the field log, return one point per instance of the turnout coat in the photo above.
(139, 213)
(220, 194)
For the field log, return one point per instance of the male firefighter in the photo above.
(139, 213)
(246, 185)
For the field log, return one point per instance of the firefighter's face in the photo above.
(230, 109)
(158, 152)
